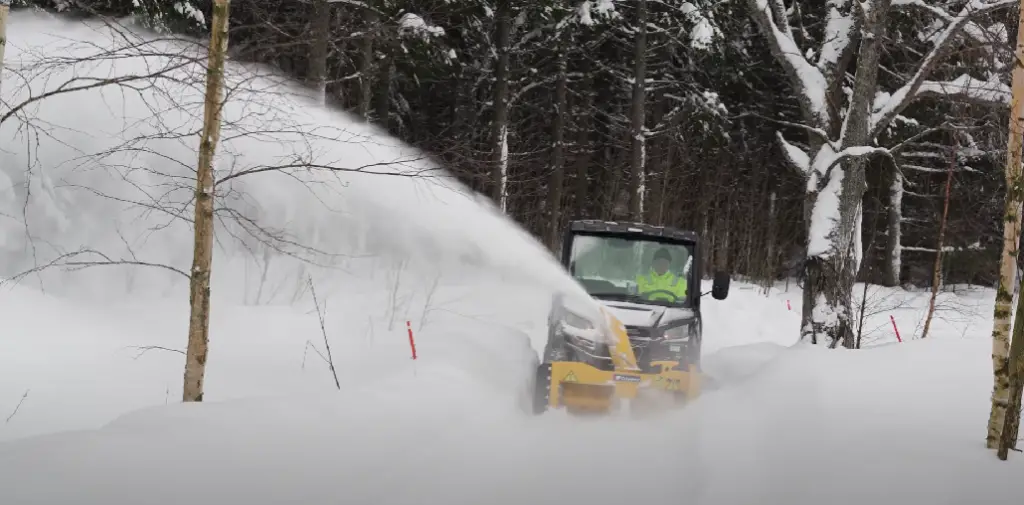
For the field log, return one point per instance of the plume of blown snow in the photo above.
(105, 175)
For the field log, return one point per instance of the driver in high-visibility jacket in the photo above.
(659, 280)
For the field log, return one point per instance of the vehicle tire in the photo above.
(541, 388)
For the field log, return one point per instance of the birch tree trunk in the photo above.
(555, 186)
(202, 259)
(636, 131)
(937, 269)
(1015, 364)
(1008, 260)
(499, 125)
(321, 28)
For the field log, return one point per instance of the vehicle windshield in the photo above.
(630, 269)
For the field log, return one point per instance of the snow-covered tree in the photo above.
(713, 97)
(844, 120)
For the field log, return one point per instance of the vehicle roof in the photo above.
(632, 228)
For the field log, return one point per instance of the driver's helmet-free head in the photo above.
(662, 258)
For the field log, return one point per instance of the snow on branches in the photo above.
(813, 82)
(809, 80)
(964, 88)
(589, 8)
(412, 24)
(703, 31)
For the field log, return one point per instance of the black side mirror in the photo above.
(720, 286)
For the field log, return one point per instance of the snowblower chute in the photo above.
(648, 339)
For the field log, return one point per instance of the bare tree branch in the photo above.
(146, 348)
(323, 331)
(17, 407)
(65, 261)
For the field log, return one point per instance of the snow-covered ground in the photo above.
(90, 371)
(787, 424)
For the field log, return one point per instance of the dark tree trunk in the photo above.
(366, 62)
(828, 295)
(499, 125)
(558, 152)
(321, 28)
(637, 135)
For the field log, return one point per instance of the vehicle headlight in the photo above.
(576, 321)
(681, 332)
(579, 330)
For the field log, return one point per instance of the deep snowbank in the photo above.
(85, 364)
(900, 423)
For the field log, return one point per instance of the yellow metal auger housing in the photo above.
(581, 387)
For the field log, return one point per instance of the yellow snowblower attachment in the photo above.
(581, 387)
(595, 365)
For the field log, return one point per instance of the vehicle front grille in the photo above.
(639, 340)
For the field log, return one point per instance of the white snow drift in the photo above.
(789, 425)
